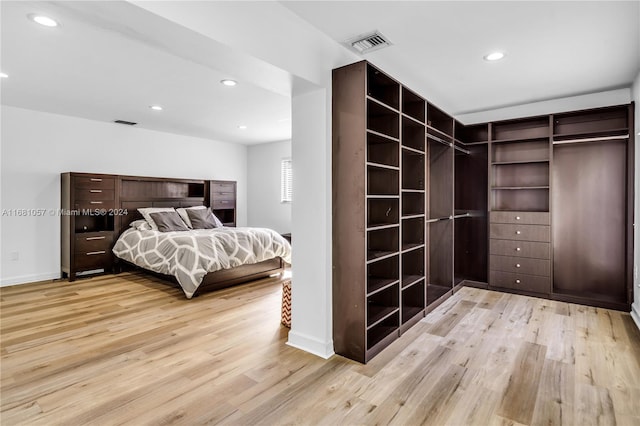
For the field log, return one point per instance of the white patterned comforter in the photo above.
(190, 255)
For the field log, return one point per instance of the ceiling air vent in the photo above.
(128, 123)
(368, 42)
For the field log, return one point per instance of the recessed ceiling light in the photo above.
(43, 20)
(242, 127)
(3, 75)
(156, 107)
(229, 83)
(494, 56)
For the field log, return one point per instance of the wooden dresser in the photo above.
(88, 203)
(223, 201)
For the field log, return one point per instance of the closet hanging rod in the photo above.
(600, 139)
(437, 139)
(466, 151)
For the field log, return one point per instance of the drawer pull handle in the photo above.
(518, 232)
(517, 265)
(517, 281)
(517, 217)
(95, 202)
(95, 190)
(95, 180)
(95, 238)
(518, 248)
(93, 253)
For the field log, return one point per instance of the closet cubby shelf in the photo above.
(416, 191)
(377, 314)
(382, 135)
(377, 285)
(406, 248)
(382, 166)
(378, 255)
(519, 187)
(592, 133)
(413, 216)
(504, 163)
(409, 280)
(379, 102)
(377, 227)
(405, 115)
(416, 151)
(515, 140)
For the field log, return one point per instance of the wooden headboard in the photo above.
(137, 192)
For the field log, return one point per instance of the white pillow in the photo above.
(185, 217)
(140, 225)
(145, 212)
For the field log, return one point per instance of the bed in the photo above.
(189, 256)
(135, 192)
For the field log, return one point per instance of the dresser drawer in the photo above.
(520, 282)
(93, 241)
(223, 204)
(529, 218)
(520, 248)
(520, 265)
(224, 187)
(99, 259)
(95, 204)
(504, 231)
(224, 196)
(94, 182)
(94, 194)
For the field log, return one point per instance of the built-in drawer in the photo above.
(95, 204)
(224, 187)
(93, 241)
(529, 218)
(94, 194)
(522, 282)
(224, 196)
(98, 259)
(505, 231)
(520, 265)
(223, 204)
(520, 248)
(94, 182)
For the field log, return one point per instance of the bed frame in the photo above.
(133, 192)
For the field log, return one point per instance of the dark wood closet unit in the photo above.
(395, 209)
(561, 206)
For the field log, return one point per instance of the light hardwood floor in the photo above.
(127, 350)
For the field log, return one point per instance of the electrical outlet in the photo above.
(15, 255)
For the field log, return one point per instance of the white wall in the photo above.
(635, 308)
(38, 146)
(263, 186)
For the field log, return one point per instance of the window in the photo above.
(286, 190)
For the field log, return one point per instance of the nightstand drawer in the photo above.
(94, 182)
(93, 241)
(99, 259)
(503, 231)
(224, 187)
(529, 218)
(520, 282)
(95, 204)
(520, 265)
(520, 248)
(224, 196)
(223, 204)
(94, 194)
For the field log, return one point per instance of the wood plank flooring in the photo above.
(127, 349)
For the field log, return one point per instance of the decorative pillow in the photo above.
(185, 217)
(169, 221)
(201, 219)
(145, 212)
(140, 225)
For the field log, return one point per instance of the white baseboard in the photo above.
(635, 314)
(323, 349)
(27, 279)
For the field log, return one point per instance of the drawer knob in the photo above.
(93, 253)
(95, 191)
(95, 238)
(95, 180)
(517, 281)
(518, 249)
(517, 217)
(517, 265)
(95, 202)
(518, 232)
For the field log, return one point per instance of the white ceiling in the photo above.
(111, 60)
(553, 49)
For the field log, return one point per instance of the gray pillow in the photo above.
(201, 218)
(168, 221)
